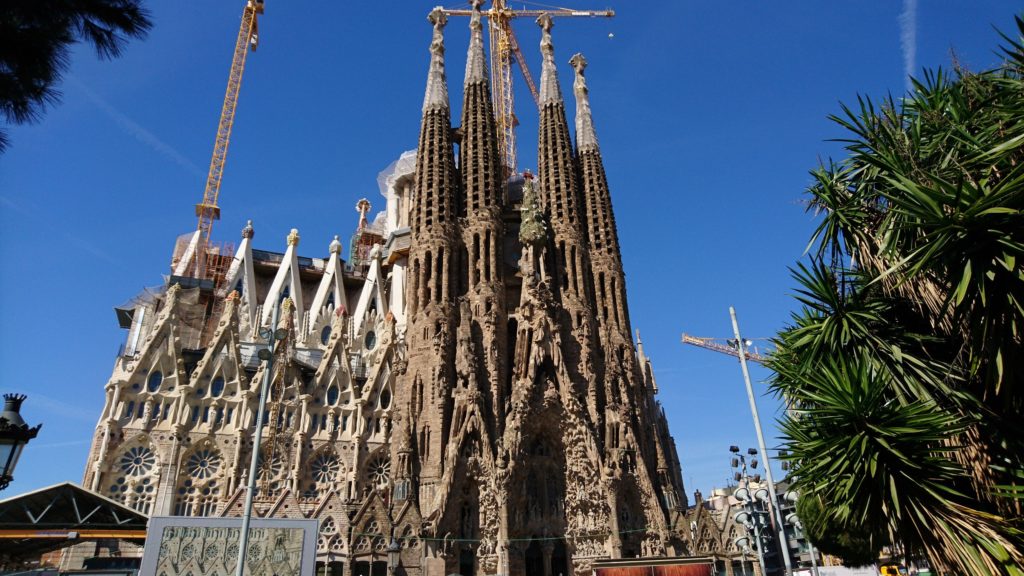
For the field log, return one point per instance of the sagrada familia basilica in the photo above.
(467, 382)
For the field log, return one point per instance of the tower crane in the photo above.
(207, 211)
(724, 346)
(505, 48)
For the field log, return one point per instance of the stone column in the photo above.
(546, 549)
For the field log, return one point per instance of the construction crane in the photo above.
(505, 48)
(725, 346)
(207, 211)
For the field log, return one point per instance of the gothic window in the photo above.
(332, 395)
(138, 461)
(270, 473)
(378, 471)
(134, 482)
(203, 464)
(217, 387)
(153, 384)
(385, 399)
(325, 335)
(370, 341)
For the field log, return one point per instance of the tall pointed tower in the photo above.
(431, 292)
(628, 412)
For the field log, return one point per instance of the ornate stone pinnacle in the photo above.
(586, 136)
(437, 84)
(578, 63)
(335, 247)
(549, 89)
(476, 63)
(293, 237)
(248, 231)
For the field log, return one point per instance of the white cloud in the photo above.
(137, 131)
(908, 40)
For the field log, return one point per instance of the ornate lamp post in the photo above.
(14, 435)
(394, 554)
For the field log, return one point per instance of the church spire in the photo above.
(436, 95)
(555, 174)
(549, 89)
(476, 63)
(481, 170)
(609, 281)
(586, 138)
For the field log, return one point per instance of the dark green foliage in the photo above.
(853, 545)
(904, 366)
(36, 37)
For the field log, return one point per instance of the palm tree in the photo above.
(35, 43)
(905, 364)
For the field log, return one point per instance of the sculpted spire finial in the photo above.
(437, 84)
(549, 89)
(293, 237)
(533, 231)
(476, 63)
(586, 136)
(335, 246)
(248, 231)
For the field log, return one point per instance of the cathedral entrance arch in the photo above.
(546, 557)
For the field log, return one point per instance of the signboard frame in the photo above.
(155, 538)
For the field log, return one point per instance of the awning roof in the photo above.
(62, 515)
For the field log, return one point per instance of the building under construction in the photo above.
(466, 383)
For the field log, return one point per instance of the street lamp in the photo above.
(793, 520)
(750, 517)
(394, 554)
(14, 435)
(271, 335)
(741, 346)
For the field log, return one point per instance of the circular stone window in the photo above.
(325, 467)
(379, 470)
(138, 461)
(203, 464)
(370, 340)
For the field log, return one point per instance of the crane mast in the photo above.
(207, 211)
(505, 49)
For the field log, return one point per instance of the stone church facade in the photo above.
(467, 383)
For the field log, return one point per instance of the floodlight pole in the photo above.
(780, 530)
(243, 538)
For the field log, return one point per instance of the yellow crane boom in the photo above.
(724, 346)
(207, 211)
(505, 48)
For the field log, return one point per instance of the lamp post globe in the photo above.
(14, 435)
(394, 555)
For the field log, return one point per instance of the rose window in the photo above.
(188, 551)
(326, 467)
(138, 461)
(211, 552)
(379, 470)
(203, 464)
(271, 469)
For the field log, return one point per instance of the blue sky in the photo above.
(709, 114)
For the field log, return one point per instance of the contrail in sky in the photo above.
(908, 40)
(137, 131)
